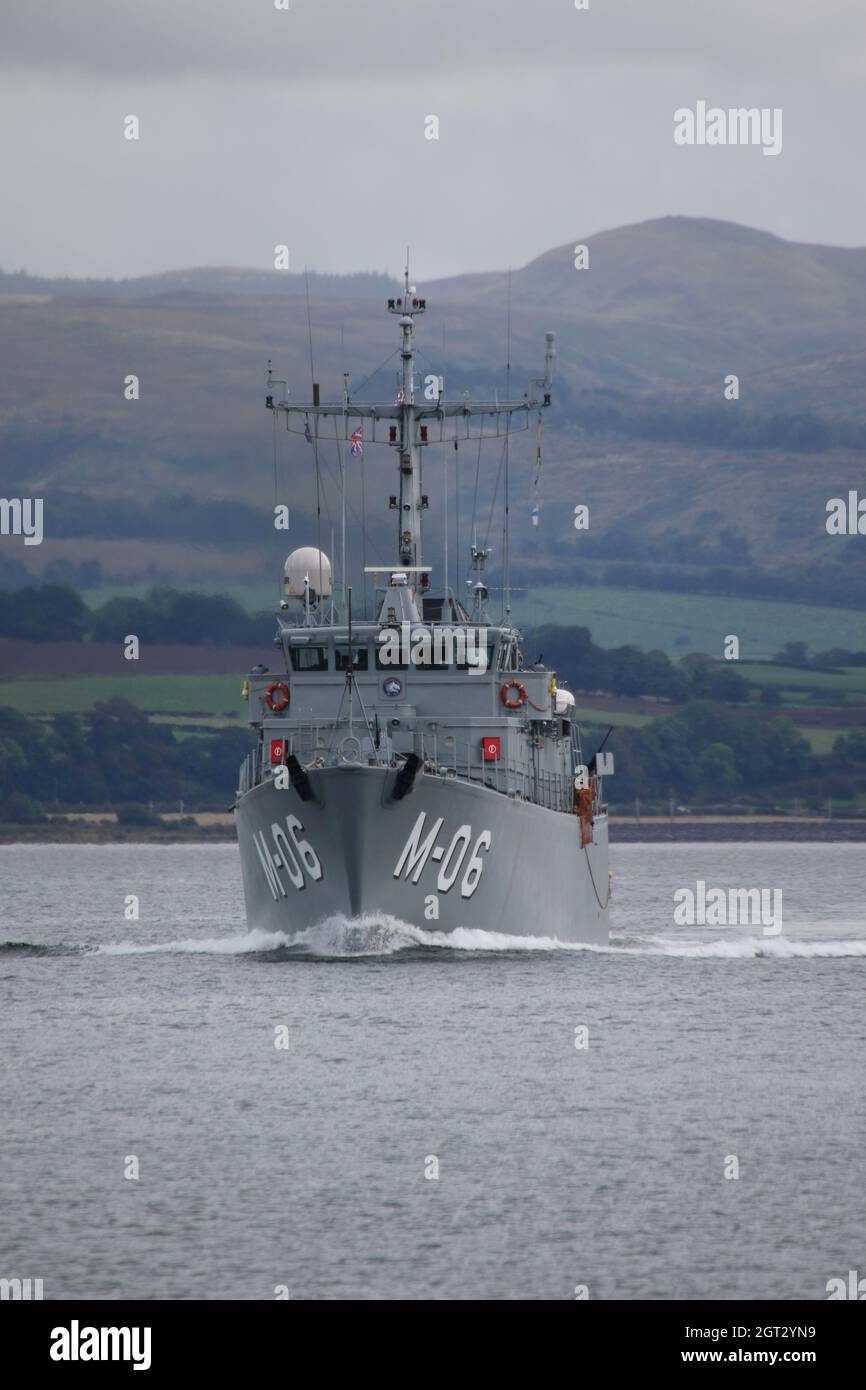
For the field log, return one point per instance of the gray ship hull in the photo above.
(450, 854)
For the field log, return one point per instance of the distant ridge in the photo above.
(224, 280)
(647, 336)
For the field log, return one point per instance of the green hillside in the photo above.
(178, 486)
(681, 623)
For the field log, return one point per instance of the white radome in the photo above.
(307, 566)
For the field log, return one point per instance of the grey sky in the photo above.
(307, 127)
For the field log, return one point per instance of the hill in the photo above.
(179, 485)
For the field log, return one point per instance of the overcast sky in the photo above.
(306, 127)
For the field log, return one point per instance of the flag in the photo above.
(400, 397)
(357, 443)
(535, 515)
(307, 435)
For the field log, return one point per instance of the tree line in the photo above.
(57, 613)
(115, 758)
(629, 671)
(112, 756)
(715, 755)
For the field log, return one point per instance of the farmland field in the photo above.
(646, 618)
(821, 740)
(848, 683)
(165, 694)
(653, 619)
(598, 715)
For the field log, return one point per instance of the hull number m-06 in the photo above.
(419, 848)
(291, 855)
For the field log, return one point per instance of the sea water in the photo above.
(190, 1110)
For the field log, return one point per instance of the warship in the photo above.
(415, 766)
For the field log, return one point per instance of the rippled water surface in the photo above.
(151, 1043)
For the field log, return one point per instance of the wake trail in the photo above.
(383, 935)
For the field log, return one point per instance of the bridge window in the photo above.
(309, 658)
(360, 657)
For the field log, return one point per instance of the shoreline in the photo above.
(733, 829)
(219, 828)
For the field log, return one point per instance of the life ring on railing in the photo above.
(505, 695)
(277, 688)
(350, 749)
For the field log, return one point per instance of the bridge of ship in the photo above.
(445, 714)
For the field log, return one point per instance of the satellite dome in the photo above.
(307, 570)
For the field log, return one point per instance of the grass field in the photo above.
(651, 620)
(253, 595)
(822, 740)
(213, 695)
(178, 700)
(849, 684)
(645, 618)
(585, 714)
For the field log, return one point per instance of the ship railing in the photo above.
(441, 754)
(248, 773)
(446, 755)
(325, 738)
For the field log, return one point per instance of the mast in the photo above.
(410, 502)
(416, 424)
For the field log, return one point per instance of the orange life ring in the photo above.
(282, 689)
(521, 694)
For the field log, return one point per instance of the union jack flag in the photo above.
(357, 443)
(400, 397)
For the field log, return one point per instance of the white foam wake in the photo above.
(381, 934)
(752, 947)
(242, 944)
(371, 934)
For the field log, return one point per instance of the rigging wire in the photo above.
(364, 530)
(363, 477)
(505, 538)
(276, 497)
(445, 509)
(369, 378)
(315, 436)
(329, 476)
(495, 496)
(342, 511)
(457, 507)
(477, 473)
